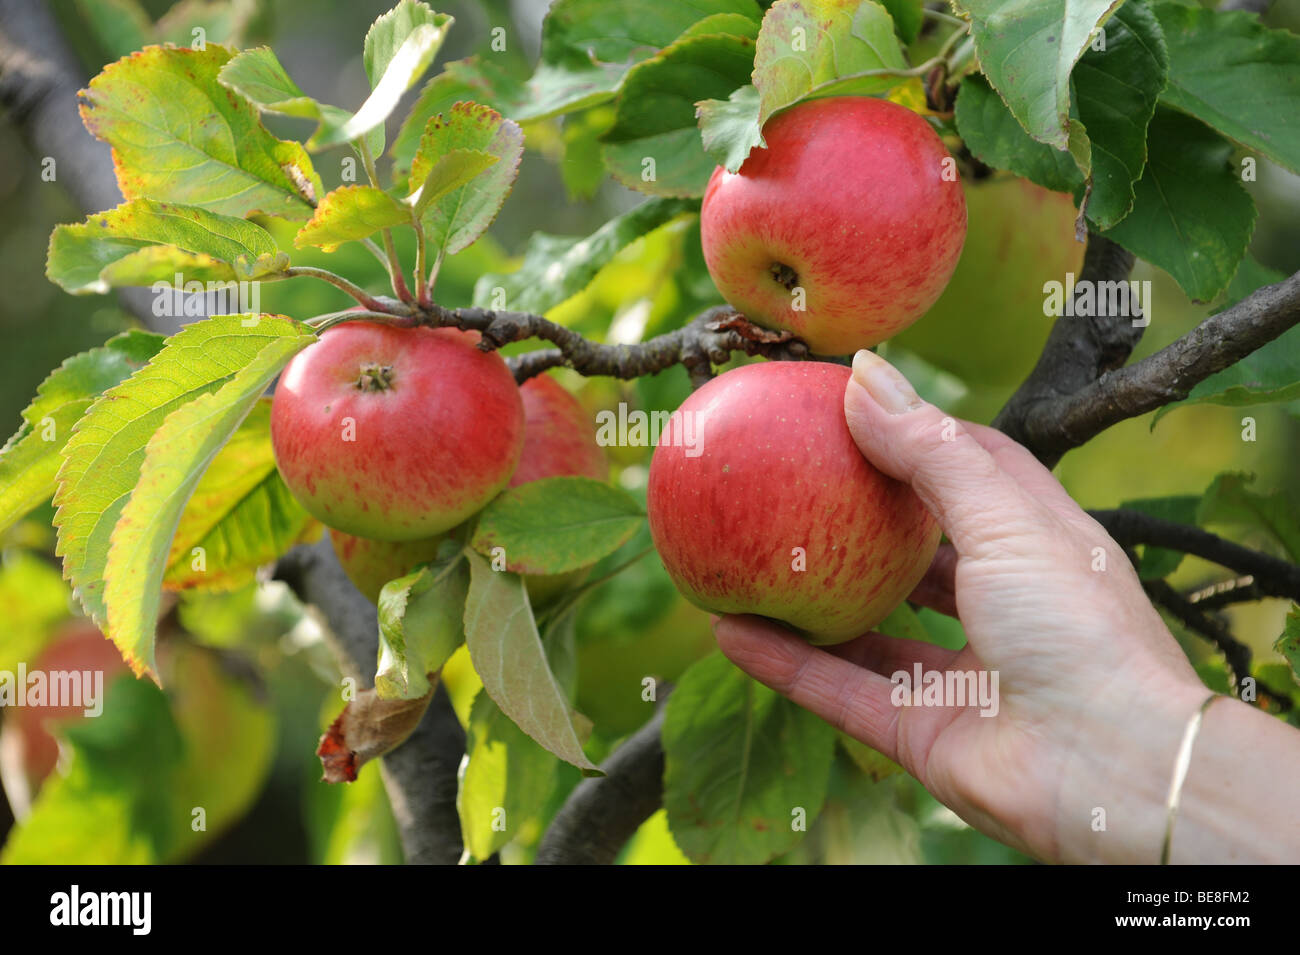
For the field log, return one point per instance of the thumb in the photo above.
(913, 441)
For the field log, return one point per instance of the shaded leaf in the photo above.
(655, 113)
(809, 48)
(557, 524)
(1028, 48)
(555, 268)
(504, 781)
(1240, 78)
(421, 623)
(509, 657)
(739, 761)
(29, 462)
(1191, 215)
(241, 515)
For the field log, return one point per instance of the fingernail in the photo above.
(886, 386)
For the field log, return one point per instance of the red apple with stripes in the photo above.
(773, 510)
(396, 434)
(844, 230)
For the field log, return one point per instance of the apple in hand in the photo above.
(396, 434)
(844, 230)
(559, 441)
(769, 507)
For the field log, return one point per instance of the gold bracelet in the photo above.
(1182, 763)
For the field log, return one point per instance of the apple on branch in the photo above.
(396, 434)
(844, 230)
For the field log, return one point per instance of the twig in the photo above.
(419, 775)
(708, 339)
(1235, 653)
(1226, 592)
(1272, 576)
(602, 813)
(338, 281)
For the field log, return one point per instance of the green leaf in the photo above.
(257, 75)
(136, 773)
(556, 268)
(222, 21)
(451, 170)
(349, 213)
(399, 49)
(1232, 73)
(904, 623)
(1157, 562)
(1028, 48)
(1288, 644)
(1231, 500)
(29, 462)
(103, 457)
(588, 46)
(655, 113)
(1115, 94)
(739, 760)
(120, 26)
(460, 215)
(175, 458)
(908, 15)
(390, 32)
(729, 129)
(421, 623)
(872, 763)
(179, 136)
(557, 524)
(1191, 215)
(485, 81)
(583, 168)
(33, 604)
(143, 242)
(997, 139)
(715, 24)
(812, 48)
(510, 659)
(241, 515)
(504, 781)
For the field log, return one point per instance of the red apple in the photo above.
(559, 441)
(370, 564)
(851, 202)
(768, 507)
(396, 434)
(29, 750)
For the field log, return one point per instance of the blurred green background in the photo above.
(250, 683)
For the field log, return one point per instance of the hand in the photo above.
(1094, 691)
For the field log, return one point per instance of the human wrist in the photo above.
(1112, 802)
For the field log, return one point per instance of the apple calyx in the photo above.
(784, 276)
(374, 377)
